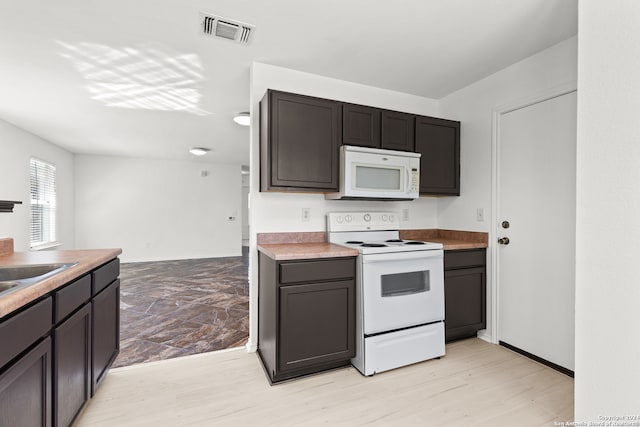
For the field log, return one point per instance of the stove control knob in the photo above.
(392, 218)
(384, 217)
(339, 219)
(367, 217)
(347, 218)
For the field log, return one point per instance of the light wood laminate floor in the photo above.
(475, 384)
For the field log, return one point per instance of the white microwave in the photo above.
(375, 174)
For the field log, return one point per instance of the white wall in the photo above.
(608, 212)
(17, 146)
(157, 209)
(474, 106)
(278, 212)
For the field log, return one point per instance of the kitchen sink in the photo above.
(19, 276)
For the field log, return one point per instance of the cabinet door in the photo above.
(398, 131)
(302, 143)
(317, 324)
(438, 141)
(360, 126)
(106, 332)
(465, 302)
(25, 389)
(71, 366)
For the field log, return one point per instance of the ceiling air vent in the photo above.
(217, 26)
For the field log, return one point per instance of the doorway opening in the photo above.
(177, 308)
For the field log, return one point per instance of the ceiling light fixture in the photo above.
(243, 119)
(199, 151)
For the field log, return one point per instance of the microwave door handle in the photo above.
(407, 186)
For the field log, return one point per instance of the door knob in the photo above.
(503, 240)
(505, 224)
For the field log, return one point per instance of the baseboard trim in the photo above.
(251, 347)
(538, 359)
(486, 337)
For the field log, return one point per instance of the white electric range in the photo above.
(399, 291)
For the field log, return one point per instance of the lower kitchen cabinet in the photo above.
(106, 332)
(72, 367)
(25, 389)
(306, 315)
(55, 352)
(465, 293)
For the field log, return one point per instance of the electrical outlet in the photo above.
(405, 214)
(306, 214)
(480, 214)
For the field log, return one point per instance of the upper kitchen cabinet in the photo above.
(438, 140)
(397, 131)
(299, 143)
(361, 125)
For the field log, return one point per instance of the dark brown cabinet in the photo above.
(300, 138)
(306, 315)
(106, 326)
(361, 125)
(299, 143)
(377, 128)
(464, 293)
(25, 383)
(438, 140)
(72, 367)
(55, 352)
(398, 131)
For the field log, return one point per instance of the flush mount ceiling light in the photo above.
(243, 119)
(199, 151)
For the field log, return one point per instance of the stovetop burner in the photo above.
(354, 242)
(394, 241)
(373, 245)
(414, 243)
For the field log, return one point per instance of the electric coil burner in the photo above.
(399, 291)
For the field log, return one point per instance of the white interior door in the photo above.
(536, 195)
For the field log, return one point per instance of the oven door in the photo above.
(402, 289)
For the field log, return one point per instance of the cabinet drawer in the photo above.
(68, 299)
(312, 271)
(24, 329)
(464, 258)
(105, 275)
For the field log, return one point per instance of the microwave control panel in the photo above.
(415, 180)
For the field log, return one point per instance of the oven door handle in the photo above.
(403, 256)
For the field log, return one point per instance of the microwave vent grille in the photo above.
(224, 28)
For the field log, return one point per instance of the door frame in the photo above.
(497, 113)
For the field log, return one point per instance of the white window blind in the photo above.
(43, 203)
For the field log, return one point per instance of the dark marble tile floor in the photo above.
(177, 308)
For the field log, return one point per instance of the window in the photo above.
(43, 203)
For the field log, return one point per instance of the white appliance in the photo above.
(374, 174)
(399, 291)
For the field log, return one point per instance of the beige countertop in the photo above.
(289, 251)
(86, 259)
(305, 245)
(451, 239)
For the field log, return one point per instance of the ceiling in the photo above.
(136, 78)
